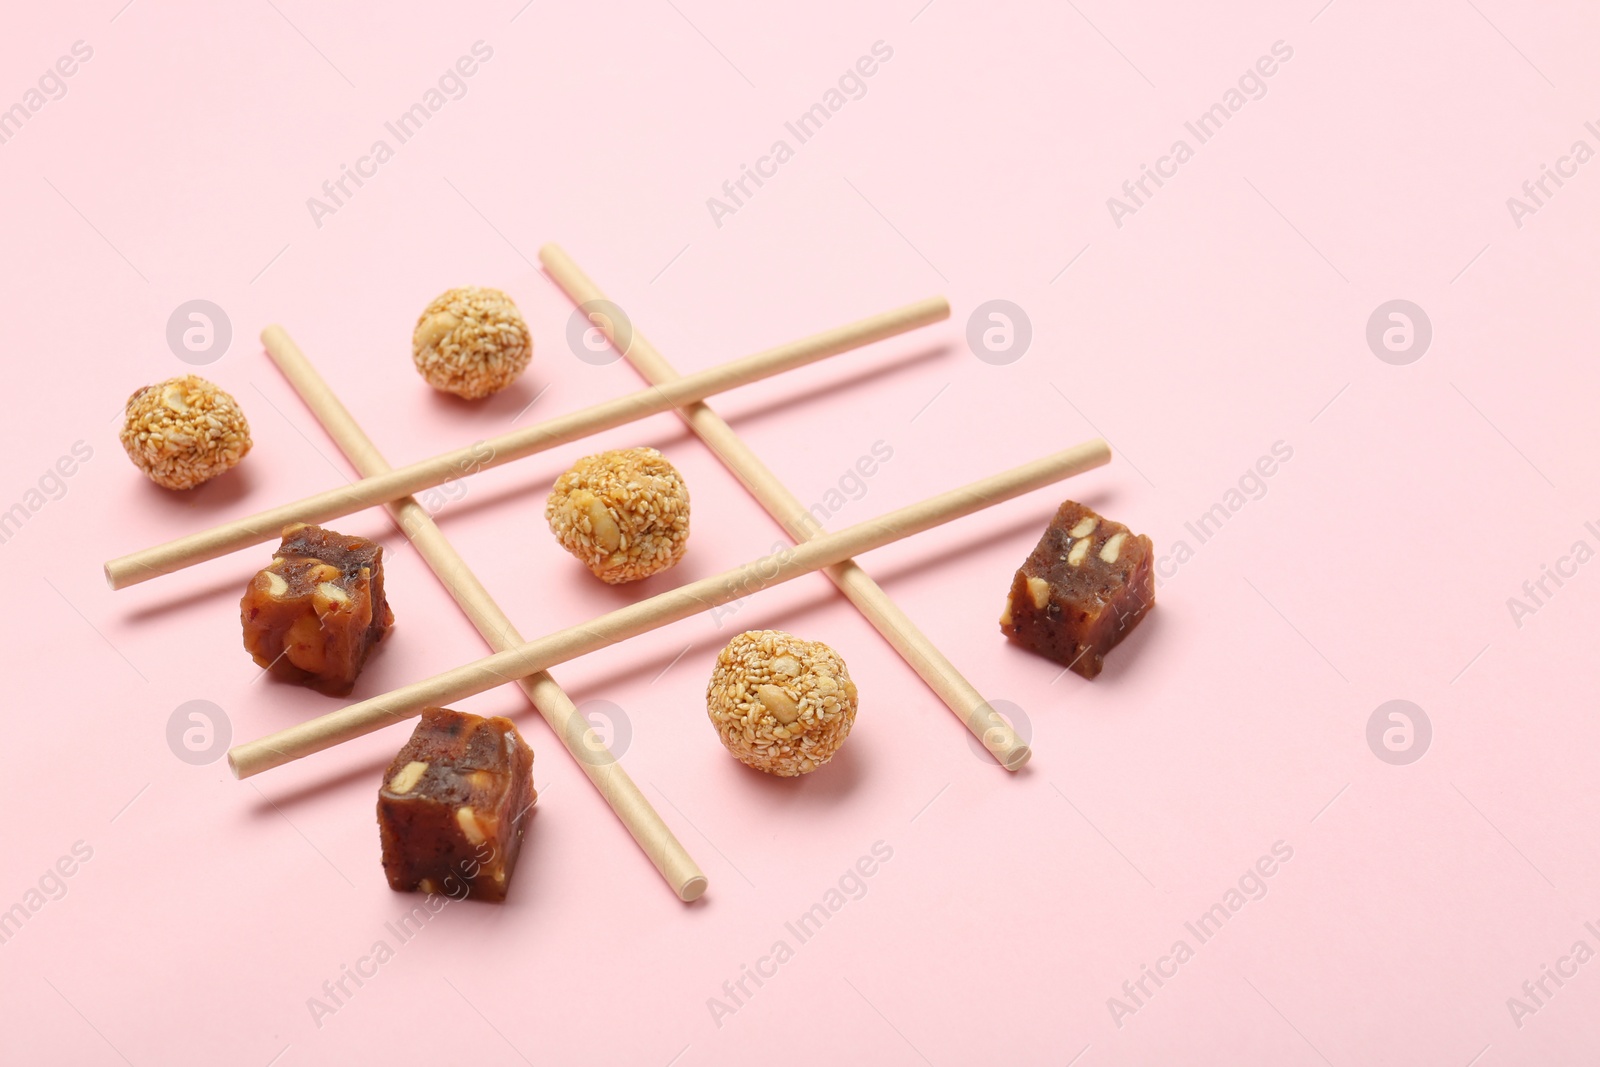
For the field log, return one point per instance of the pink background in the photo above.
(1226, 314)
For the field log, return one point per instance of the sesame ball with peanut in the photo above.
(623, 513)
(184, 431)
(471, 342)
(781, 704)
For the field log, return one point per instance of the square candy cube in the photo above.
(317, 610)
(1086, 585)
(454, 805)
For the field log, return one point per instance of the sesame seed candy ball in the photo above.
(781, 704)
(471, 342)
(184, 431)
(623, 513)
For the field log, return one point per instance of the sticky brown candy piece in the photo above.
(454, 805)
(315, 613)
(1084, 588)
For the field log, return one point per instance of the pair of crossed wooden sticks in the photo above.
(526, 662)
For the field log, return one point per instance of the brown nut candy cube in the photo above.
(313, 615)
(1086, 585)
(454, 805)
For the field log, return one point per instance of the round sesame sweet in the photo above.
(781, 704)
(471, 342)
(184, 431)
(624, 513)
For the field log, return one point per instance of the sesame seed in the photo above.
(184, 431)
(471, 342)
(800, 669)
(639, 496)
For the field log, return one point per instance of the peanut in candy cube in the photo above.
(454, 806)
(315, 613)
(1084, 588)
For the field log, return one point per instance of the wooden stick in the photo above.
(403, 481)
(355, 720)
(913, 645)
(626, 801)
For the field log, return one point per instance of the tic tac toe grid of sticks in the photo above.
(527, 662)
